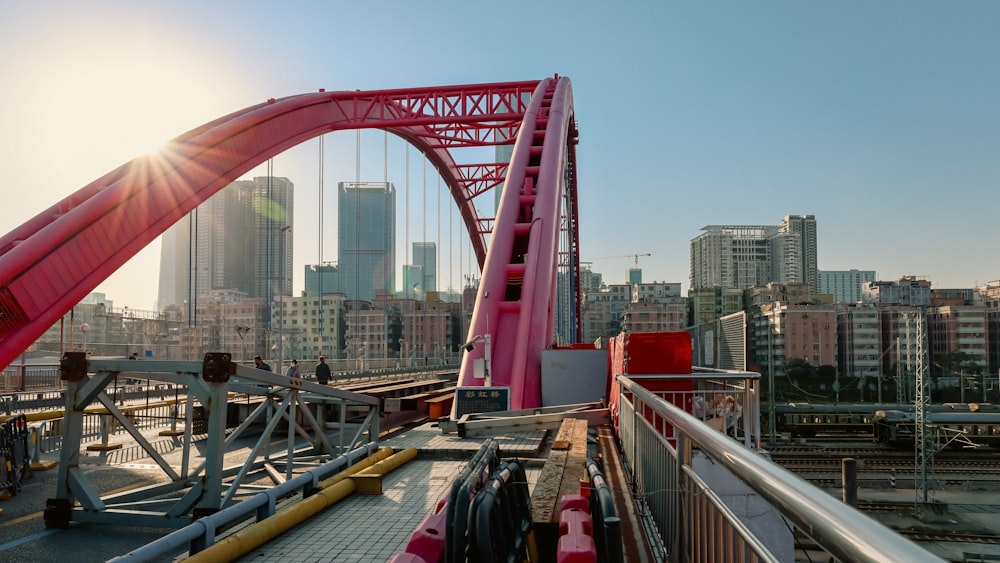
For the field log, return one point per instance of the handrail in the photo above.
(203, 531)
(842, 531)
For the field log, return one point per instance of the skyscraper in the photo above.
(240, 239)
(425, 256)
(805, 227)
(366, 238)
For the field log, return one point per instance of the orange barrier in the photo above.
(440, 407)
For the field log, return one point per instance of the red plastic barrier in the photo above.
(427, 543)
(576, 537)
(579, 502)
(405, 558)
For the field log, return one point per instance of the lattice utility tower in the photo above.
(924, 439)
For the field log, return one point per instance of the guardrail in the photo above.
(99, 425)
(21, 377)
(202, 532)
(696, 524)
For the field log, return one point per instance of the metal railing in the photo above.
(203, 532)
(690, 515)
(21, 377)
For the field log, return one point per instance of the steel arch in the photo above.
(52, 261)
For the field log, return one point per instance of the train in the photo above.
(971, 428)
(806, 420)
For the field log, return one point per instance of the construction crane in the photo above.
(633, 256)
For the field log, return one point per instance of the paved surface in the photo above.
(361, 528)
(366, 528)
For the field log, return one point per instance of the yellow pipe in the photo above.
(334, 490)
(394, 462)
(358, 467)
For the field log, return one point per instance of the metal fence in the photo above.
(22, 377)
(695, 523)
(100, 426)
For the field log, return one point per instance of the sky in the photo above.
(879, 118)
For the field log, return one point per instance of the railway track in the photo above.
(944, 536)
(881, 464)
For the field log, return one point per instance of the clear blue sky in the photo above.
(880, 118)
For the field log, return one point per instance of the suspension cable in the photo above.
(437, 240)
(423, 256)
(406, 227)
(319, 259)
(451, 254)
(387, 215)
(357, 243)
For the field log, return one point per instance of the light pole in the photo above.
(772, 439)
(242, 331)
(128, 331)
(487, 353)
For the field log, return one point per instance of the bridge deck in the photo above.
(373, 528)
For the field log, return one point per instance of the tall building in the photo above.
(731, 256)
(366, 238)
(805, 227)
(240, 239)
(744, 256)
(425, 256)
(844, 285)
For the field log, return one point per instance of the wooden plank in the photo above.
(470, 427)
(562, 471)
(545, 496)
(564, 439)
(575, 469)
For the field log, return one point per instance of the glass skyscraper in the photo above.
(366, 238)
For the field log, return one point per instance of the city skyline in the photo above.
(881, 131)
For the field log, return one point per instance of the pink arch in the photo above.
(55, 259)
(516, 302)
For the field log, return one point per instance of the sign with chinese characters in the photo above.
(470, 400)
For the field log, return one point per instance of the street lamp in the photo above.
(242, 331)
(470, 345)
(128, 331)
